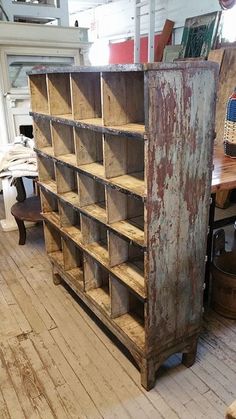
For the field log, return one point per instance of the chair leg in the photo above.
(22, 231)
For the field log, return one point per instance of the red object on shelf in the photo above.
(123, 52)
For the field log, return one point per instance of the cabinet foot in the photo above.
(188, 358)
(56, 278)
(148, 374)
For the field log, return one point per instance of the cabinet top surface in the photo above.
(180, 65)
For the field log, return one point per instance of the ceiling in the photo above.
(76, 6)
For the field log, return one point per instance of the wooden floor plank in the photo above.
(48, 388)
(9, 394)
(81, 399)
(8, 324)
(17, 380)
(14, 307)
(4, 413)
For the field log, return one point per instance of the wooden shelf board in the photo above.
(99, 250)
(54, 217)
(68, 158)
(133, 182)
(77, 276)
(130, 229)
(97, 211)
(96, 169)
(74, 233)
(133, 127)
(50, 185)
(64, 116)
(135, 131)
(131, 275)
(71, 197)
(47, 150)
(133, 327)
(101, 297)
(57, 258)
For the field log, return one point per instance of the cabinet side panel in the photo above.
(181, 110)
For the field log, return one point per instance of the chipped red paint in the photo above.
(181, 115)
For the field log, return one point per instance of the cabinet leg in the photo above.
(148, 374)
(22, 231)
(56, 278)
(188, 358)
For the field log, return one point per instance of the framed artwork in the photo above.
(199, 35)
(171, 53)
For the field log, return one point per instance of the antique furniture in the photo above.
(125, 160)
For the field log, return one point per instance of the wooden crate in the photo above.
(125, 158)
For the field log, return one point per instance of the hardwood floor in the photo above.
(56, 362)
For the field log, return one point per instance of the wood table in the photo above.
(223, 178)
(224, 174)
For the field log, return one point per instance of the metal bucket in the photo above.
(224, 284)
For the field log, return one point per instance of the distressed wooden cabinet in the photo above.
(125, 161)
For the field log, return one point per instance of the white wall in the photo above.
(37, 11)
(116, 20)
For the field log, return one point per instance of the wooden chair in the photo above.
(26, 209)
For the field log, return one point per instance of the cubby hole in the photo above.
(86, 96)
(96, 282)
(89, 151)
(127, 262)
(46, 171)
(70, 221)
(49, 204)
(126, 214)
(127, 311)
(92, 197)
(124, 162)
(73, 262)
(39, 93)
(53, 244)
(59, 95)
(63, 142)
(42, 135)
(94, 237)
(123, 99)
(67, 185)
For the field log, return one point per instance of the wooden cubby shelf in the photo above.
(59, 95)
(46, 168)
(126, 215)
(73, 262)
(42, 130)
(63, 143)
(92, 197)
(124, 158)
(67, 183)
(86, 97)
(123, 99)
(39, 93)
(53, 244)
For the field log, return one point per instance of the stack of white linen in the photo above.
(18, 159)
